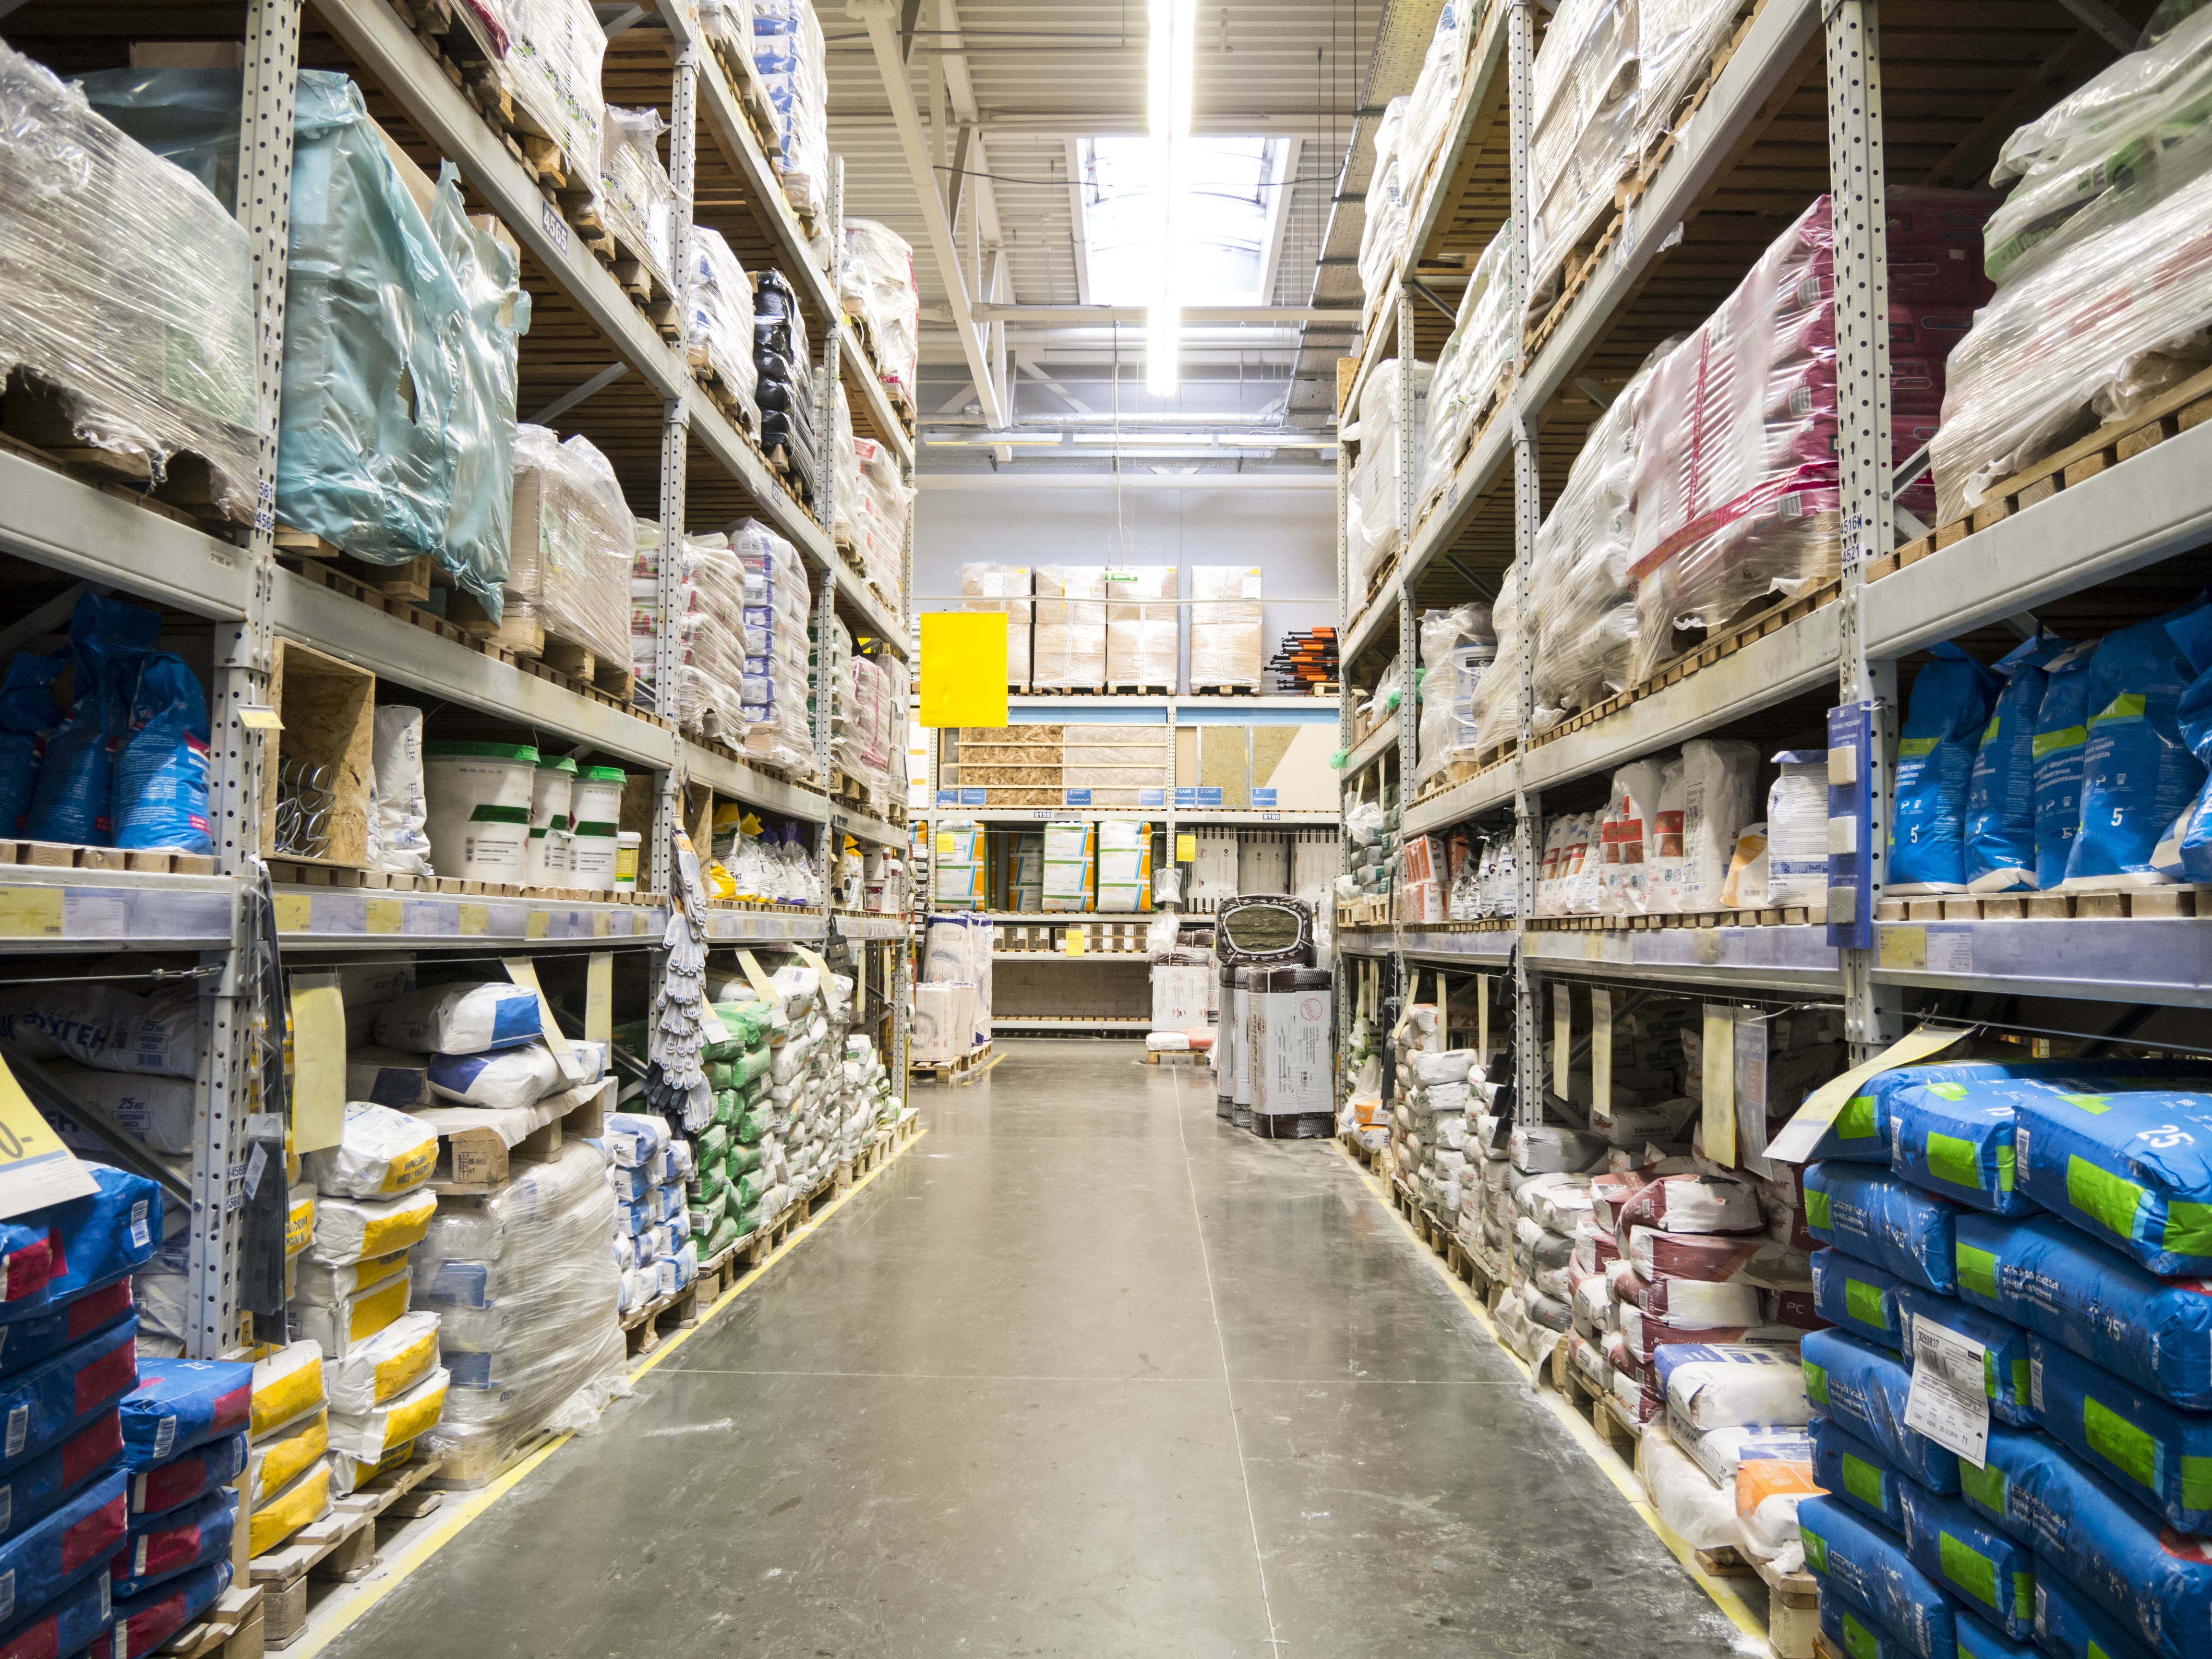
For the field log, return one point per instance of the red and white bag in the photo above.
(1694, 1204)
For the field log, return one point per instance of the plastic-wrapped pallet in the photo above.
(886, 503)
(877, 284)
(1494, 705)
(1675, 39)
(2100, 270)
(1125, 867)
(789, 53)
(1430, 106)
(1070, 872)
(718, 323)
(1471, 369)
(525, 1295)
(718, 616)
(130, 292)
(1584, 119)
(1070, 647)
(574, 542)
(1224, 625)
(785, 390)
(1003, 588)
(634, 199)
(774, 686)
(1457, 647)
(1143, 642)
(1372, 505)
(1382, 232)
(551, 68)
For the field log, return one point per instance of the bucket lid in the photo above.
(628, 837)
(604, 775)
(564, 764)
(509, 751)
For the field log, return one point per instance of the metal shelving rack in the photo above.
(2129, 517)
(708, 469)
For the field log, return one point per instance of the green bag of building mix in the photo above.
(2004, 1347)
(1866, 1567)
(2133, 1168)
(1882, 1218)
(2159, 1455)
(1865, 1388)
(2042, 1274)
(2000, 798)
(1981, 1564)
(2137, 774)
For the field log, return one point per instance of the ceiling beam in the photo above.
(878, 16)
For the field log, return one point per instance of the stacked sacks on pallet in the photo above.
(183, 1429)
(568, 571)
(1437, 1108)
(646, 1165)
(876, 282)
(633, 197)
(1457, 648)
(778, 619)
(737, 1162)
(718, 322)
(1416, 1035)
(1472, 371)
(786, 384)
(1372, 506)
(789, 53)
(527, 1337)
(2018, 1212)
(2104, 287)
(66, 1366)
(289, 1437)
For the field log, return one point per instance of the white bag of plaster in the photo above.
(157, 1109)
(461, 1019)
(381, 1154)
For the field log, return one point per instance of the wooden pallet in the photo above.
(2143, 904)
(636, 274)
(41, 427)
(1775, 916)
(412, 580)
(341, 1547)
(646, 1328)
(966, 1069)
(1613, 1425)
(61, 855)
(2186, 406)
(233, 1628)
(742, 413)
(1793, 1598)
(1446, 481)
(1224, 690)
(1174, 1057)
(1126, 690)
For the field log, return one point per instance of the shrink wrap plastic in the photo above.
(1675, 39)
(1495, 705)
(551, 70)
(1382, 232)
(634, 199)
(126, 286)
(2106, 263)
(709, 621)
(398, 432)
(1436, 90)
(789, 53)
(1457, 646)
(785, 391)
(1003, 588)
(1224, 630)
(1144, 645)
(1735, 494)
(1371, 505)
(526, 1290)
(861, 740)
(1070, 646)
(572, 576)
(718, 318)
(1578, 581)
(1471, 369)
(1583, 133)
(880, 510)
(876, 282)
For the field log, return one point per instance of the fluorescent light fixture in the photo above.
(1173, 55)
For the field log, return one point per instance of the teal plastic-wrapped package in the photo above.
(400, 322)
(1882, 1218)
(2160, 1456)
(1857, 1296)
(2039, 1274)
(1865, 1565)
(1865, 1388)
(2133, 1168)
(2137, 774)
(1981, 1564)
(2004, 1346)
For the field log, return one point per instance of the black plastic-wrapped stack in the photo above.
(786, 381)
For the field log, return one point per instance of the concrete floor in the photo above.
(1086, 1371)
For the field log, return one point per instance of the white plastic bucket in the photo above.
(479, 819)
(594, 807)
(547, 862)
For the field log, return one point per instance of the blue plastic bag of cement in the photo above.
(183, 1403)
(42, 1561)
(1866, 1567)
(187, 1478)
(2185, 855)
(163, 1545)
(1864, 1389)
(35, 1490)
(99, 1239)
(2070, 1625)
(1981, 1564)
(2042, 1274)
(2158, 1456)
(1944, 719)
(2132, 1169)
(25, 1342)
(2000, 798)
(76, 1621)
(1846, 1466)
(2062, 735)
(1880, 1216)
(108, 639)
(2004, 1347)
(1956, 1139)
(2152, 1581)
(160, 783)
(62, 1395)
(1857, 1296)
(2137, 775)
(144, 1621)
(28, 714)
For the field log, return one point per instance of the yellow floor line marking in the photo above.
(1624, 1479)
(472, 1505)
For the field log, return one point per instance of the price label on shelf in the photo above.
(603, 925)
(426, 916)
(30, 912)
(95, 913)
(474, 919)
(294, 913)
(540, 925)
(35, 1168)
(382, 915)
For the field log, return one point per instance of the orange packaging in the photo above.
(1759, 1479)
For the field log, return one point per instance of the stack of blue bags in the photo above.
(2058, 1215)
(184, 1438)
(68, 1359)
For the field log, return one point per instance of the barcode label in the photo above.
(1791, 506)
(138, 1226)
(19, 1430)
(165, 1437)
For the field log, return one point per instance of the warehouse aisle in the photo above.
(1086, 1371)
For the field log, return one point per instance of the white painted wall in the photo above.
(1289, 533)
